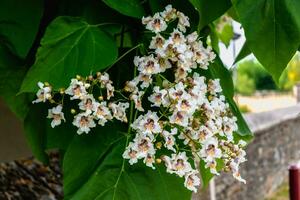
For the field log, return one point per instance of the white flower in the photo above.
(242, 143)
(119, 110)
(203, 134)
(136, 97)
(104, 79)
(84, 122)
(179, 117)
(57, 115)
(145, 79)
(109, 90)
(130, 154)
(43, 94)
(214, 86)
(235, 172)
(170, 139)
(192, 37)
(210, 150)
(149, 161)
(159, 97)
(148, 65)
(169, 13)
(178, 164)
(192, 181)
(237, 176)
(102, 113)
(212, 167)
(183, 21)
(77, 89)
(144, 145)
(187, 104)
(157, 42)
(147, 124)
(155, 24)
(87, 103)
(178, 91)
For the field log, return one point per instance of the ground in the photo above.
(282, 193)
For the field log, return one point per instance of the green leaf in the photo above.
(214, 39)
(232, 13)
(206, 175)
(272, 29)
(89, 149)
(226, 34)
(11, 76)
(103, 174)
(218, 70)
(209, 10)
(244, 52)
(111, 181)
(132, 8)
(19, 23)
(70, 47)
(35, 131)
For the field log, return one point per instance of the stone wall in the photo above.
(275, 147)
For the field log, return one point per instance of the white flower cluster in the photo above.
(91, 110)
(185, 108)
(183, 117)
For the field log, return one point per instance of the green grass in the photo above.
(282, 193)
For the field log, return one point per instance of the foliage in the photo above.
(291, 74)
(251, 76)
(56, 40)
(244, 108)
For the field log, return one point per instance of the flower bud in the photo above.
(158, 145)
(100, 98)
(73, 111)
(62, 90)
(90, 77)
(158, 160)
(78, 77)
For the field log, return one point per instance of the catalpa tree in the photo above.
(133, 93)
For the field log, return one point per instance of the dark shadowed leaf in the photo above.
(272, 29)
(70, 47)
(209, 10)
(12, 72)
(19, 23)
(35, 131)
(244, 52)
(132, 8)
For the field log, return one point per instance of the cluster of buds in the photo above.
(180, 116)
(90, 109)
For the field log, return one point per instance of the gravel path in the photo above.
(28, 179)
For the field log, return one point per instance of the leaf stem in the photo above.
(122, 56)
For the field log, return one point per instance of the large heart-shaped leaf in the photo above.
(19, 23)
(90, 149)
(209, 10)
(244, 52)
(272, 29)
(70, 47)
(104, 174)
(132, 8)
